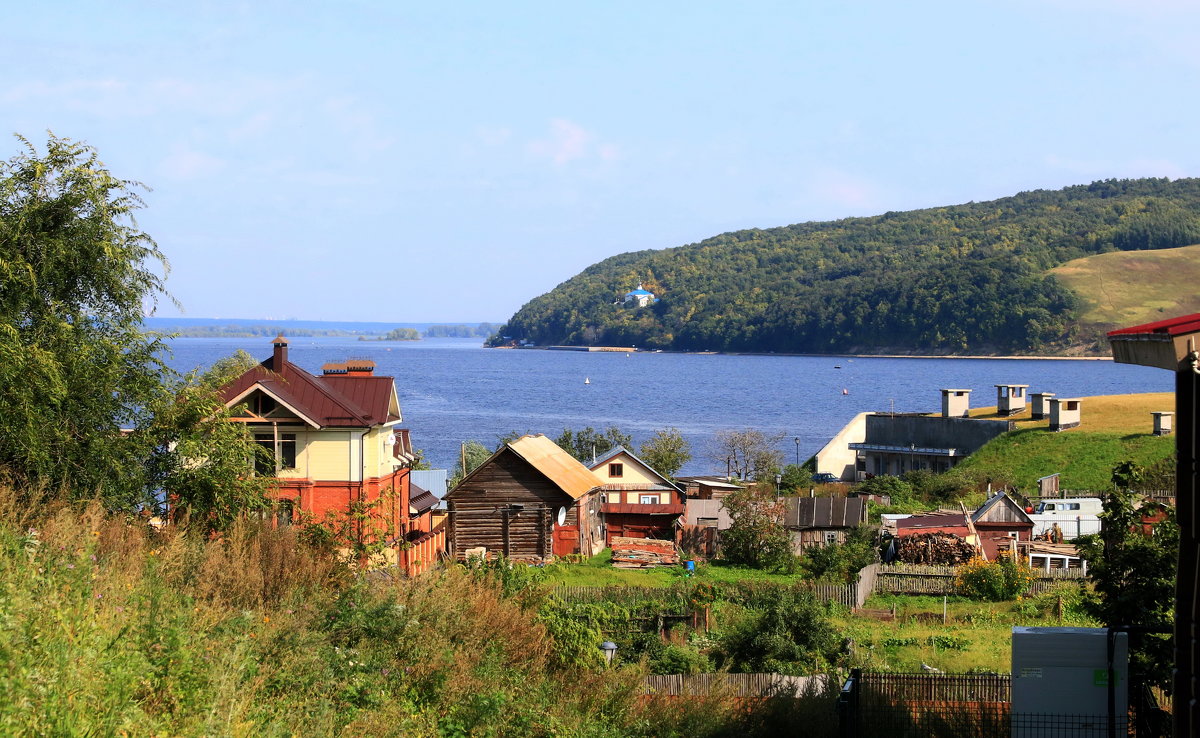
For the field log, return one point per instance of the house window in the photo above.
(616, 470)
(649, 499)
(831, 537)
(287, 452)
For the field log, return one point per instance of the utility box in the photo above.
(1164, 423)
(1064, 413)
(1040, 407)
(956, 403)
(1060, 681)
(1010, 398)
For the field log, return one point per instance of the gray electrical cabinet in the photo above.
(1060, 681)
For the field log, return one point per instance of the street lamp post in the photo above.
(797, 440)
(610, 649)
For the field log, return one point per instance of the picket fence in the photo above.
(939, 580)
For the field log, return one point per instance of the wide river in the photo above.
(452, 390)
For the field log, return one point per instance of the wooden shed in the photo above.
(529, 501)
(819, 521)
(999, 521)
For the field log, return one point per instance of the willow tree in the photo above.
(86, 404)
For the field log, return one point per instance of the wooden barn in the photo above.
(820, 521)
(999, 521)
(529, 501)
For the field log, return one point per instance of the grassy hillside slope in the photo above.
(1114, 428)
(1126, 288)
(970, 278)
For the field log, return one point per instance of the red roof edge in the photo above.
(1170, 326)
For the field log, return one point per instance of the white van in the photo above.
(1085, 506)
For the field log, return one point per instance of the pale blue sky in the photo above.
(392, 161)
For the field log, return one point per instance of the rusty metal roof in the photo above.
(825, 512)
(557, 465)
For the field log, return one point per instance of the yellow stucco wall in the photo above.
(337, 455)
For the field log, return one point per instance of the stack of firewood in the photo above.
(643, 553)
(934, 548)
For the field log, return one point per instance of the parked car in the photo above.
(825, 478)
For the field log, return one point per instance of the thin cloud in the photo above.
(567, 142)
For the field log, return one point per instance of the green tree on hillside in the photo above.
(76, 274)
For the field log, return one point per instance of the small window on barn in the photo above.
(616, 470)
(831, 537)
(603, 499)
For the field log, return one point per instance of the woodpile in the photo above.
(643, 553)
(934, 548)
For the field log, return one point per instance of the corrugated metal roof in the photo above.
(421, 500)
(560, 467)
(630, 508)
(824, 512)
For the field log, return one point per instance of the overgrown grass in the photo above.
(976, 637)
(598, 571)
(1127, 288)
(110, 628)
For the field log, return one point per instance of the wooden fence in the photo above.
(937, 687)
(734, 685)
(938, 580)
(423, 554)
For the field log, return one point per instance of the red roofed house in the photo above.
(334, 439)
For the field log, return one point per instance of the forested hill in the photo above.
(963, 279)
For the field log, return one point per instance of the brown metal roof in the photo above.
(557, 465)
(421, 500)
(336, 401)
(825, 512)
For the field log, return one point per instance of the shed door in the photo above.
(566, 539)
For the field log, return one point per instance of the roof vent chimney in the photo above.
(280, 357)
(360, 367)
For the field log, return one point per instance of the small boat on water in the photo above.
(587, 380)
(845, 391)
(837, 366)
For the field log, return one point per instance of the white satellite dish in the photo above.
(562, 515)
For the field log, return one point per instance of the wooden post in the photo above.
(944, 609)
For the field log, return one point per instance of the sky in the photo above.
(447, 162)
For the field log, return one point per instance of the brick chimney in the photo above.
(279, 358)
(360, 367)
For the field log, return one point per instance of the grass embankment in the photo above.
(1127, 288)
(1114, 428)
(110, 628)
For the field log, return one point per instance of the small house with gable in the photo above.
(530, 501)
(636, 501)
(821, 521)
(999, 521)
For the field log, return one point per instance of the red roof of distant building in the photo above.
(1171, 326)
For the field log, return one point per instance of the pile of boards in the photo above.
(933, 548)
(643, 553)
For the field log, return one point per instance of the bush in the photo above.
(1005, 579)
(787, 633)
(894, 487)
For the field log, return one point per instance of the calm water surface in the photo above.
(452, 390)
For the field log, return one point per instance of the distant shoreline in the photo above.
(614, 349)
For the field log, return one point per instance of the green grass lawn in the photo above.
(1127, 288)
